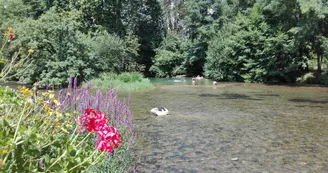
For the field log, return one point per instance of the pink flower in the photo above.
(93, 121)
(107, 136)
(110, 134)
(104, 146)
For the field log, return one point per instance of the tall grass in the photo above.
(127, 80)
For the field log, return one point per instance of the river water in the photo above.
(234, 127)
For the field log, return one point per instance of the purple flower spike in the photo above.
(75, 83)
(80, 98)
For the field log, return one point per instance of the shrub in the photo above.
(126, 80)
(308, 78)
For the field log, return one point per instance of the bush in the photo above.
(126, 80)
(308, 78)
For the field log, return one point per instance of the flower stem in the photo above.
(20, 119)
(83, 139)
(57, 160)
(83, 161)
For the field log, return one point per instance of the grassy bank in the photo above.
(128, 80)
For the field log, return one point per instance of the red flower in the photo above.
(89, 110)
(11, 36)
(104, 146)
(93, 121)
(109, 134)
(106, 135)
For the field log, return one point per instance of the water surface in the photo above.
(234, 127)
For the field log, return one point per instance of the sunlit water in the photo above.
(234, 127)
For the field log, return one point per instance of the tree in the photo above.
(169, 57)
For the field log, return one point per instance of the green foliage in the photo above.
(124, 77)
(111, 53)
(201, 24)
(12, 12)
(115, 164)
(243, 40)
(37, 138)
(127, 80)
(308, 78)
(257, 46)
(170, 57)
(59, 51)
(9, 99)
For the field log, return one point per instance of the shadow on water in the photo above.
(267, 95)
(295, 85)
(229, 96)
(308, 101)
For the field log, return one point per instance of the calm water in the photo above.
(234, 127)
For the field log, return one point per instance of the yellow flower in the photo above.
(6, 34)
(68, 94)
(30, 51)
(56, 102)
(4, 151)
(58, 114)
(25, 91)
(39, 100)
(68, 125)
(68, 114)
(64, 130)
(57, 124)
(11, 30)
(48, 110)
(52, 97)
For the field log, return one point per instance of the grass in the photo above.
(126, 80)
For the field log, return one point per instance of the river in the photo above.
(234, 127)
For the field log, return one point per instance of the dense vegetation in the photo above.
(232, 40)
(125, 80)
(75, 130)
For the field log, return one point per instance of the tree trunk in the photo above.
(319, 63)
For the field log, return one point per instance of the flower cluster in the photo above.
(26, 92)
(10, 34)
(107, 136)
